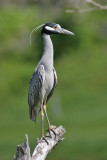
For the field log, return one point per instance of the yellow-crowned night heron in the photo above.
(44, 78)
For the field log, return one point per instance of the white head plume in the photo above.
(35, 29)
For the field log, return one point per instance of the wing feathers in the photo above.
(35, 85)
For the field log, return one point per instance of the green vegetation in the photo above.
(79, 102)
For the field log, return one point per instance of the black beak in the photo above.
(65, 31)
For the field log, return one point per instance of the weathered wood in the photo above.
(23, 151)
(43, 147)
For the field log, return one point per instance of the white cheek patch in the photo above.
(49, 28)
(58, 26)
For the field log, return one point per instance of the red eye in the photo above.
(55, 27)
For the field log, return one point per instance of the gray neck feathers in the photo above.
(47, 58)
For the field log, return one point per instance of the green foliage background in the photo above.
(79, 102)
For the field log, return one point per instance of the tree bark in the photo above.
(43, 147)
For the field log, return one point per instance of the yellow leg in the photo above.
(46, 115)
(42, 117)
(50, 128)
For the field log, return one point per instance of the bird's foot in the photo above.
(51, 129)
(44, 138)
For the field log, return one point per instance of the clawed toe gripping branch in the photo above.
(43, 146)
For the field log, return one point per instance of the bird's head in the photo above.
(53, 28)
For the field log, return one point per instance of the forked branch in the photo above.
(43, 147)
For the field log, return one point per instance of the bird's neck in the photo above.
(47, 58)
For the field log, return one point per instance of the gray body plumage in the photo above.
(43, 81)
(44, 78)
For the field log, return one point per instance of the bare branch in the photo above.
(23, 152)
(80, 10)
(97, 6)
(43, 147)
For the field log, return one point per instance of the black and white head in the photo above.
(53, 28)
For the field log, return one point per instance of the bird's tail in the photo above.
(33, 116)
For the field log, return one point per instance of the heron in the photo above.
(44, 79)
